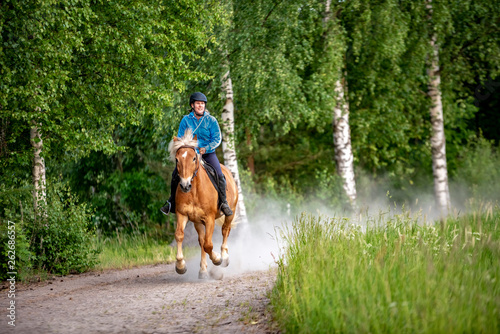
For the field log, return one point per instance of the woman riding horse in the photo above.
(207, 130)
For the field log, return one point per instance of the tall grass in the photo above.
(394, 276)
(126, 250)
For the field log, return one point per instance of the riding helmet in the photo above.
(197, 97)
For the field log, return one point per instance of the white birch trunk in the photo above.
(342, 134)
(39, 194)
(438, 140)
(228, 147)
(342, 143)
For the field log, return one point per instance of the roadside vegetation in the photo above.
(126, 250)
(394, 273)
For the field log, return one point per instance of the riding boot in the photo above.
(222, 197)
(169, 206)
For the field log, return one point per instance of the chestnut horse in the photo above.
(196, 200)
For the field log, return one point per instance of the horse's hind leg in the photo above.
(201, 239)
(180, 265)
(226, 228)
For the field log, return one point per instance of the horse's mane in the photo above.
(186, 140)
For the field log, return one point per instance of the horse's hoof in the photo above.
(225, 262)
(217, 263)
(181, 271)
(203, 275)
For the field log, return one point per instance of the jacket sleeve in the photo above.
(182, 127)
(215, 136)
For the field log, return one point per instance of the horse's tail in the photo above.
(220, 221)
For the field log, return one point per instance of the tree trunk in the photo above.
(342, 133)
(228, 146)
(39, 193)
(438, 140)
(342, 143)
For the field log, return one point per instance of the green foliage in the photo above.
(396, 275)
(60, 242)
(81, 69)
(283, 81)
(64, 240)
(295, 169)
(20, 249)
(478, 171)
(16, 206)
(126, 188)
(278, 57)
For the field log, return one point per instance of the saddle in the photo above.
(212, 175)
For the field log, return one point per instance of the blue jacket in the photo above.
(207, 129)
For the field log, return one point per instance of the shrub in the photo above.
(63, 241)
(60, 241)
(11, 200)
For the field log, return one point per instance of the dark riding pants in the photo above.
(212, 159)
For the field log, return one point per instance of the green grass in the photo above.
(130, 250)
(398, 276)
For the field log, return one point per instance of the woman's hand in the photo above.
(203, 150)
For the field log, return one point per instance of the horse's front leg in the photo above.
(201, 239)
(180, 265)
(208, 245)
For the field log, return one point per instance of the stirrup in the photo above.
(166, 208)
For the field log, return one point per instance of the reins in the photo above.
(196, 155)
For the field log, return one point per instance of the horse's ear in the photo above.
(176, 139)
(195, 137)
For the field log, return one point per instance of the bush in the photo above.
(22, 261)
(63, 240)
(10, 200)
(59, 241)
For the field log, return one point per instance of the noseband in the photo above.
(196, 156)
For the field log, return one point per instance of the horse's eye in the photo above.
(194, 159)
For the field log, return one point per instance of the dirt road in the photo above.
(151, 299)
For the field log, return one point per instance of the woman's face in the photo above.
(199, 107)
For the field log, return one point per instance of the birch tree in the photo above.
(438, 139)
(342, 143)
(228, 144)
(342, 131)
(38, 170)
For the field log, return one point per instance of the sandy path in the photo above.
(151, 299)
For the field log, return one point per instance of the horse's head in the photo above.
(187, 161)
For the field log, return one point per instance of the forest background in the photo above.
(98, 89)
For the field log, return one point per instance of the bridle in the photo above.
(196, 156)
